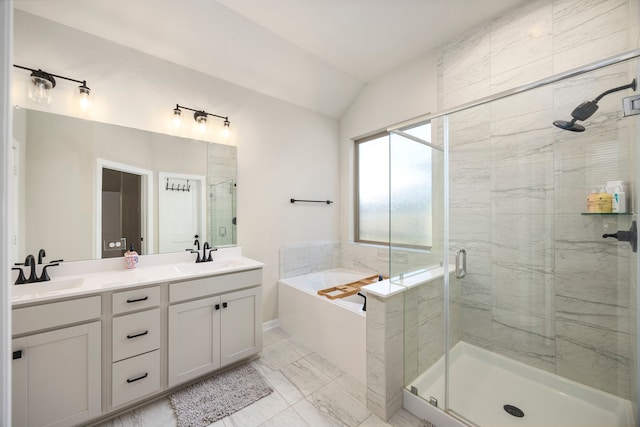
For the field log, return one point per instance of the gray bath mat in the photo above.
(213, 398)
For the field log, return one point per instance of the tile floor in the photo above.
(307, 391)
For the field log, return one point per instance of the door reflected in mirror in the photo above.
(59, 203)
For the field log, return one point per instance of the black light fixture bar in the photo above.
(83, 82)
(202, 113)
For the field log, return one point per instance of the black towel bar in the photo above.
(328, 202)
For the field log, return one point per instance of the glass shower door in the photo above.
(539, 329)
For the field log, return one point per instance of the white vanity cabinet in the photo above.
(56, 367)
(214, 326)
(135, 347)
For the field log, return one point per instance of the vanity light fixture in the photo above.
(39, 90)
(200, 117)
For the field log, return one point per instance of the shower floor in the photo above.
(482, 383)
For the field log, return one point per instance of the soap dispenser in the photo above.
(131, 258)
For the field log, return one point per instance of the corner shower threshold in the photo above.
(482, 383)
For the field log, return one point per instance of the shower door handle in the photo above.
(461, 263)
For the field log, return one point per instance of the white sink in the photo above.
(206, 267)
(40, 289)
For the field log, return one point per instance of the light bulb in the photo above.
(226, 130)
(177, 117)
(39, 90)
(84, 100)
(201, 120)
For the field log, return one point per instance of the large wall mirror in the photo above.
(89, 190)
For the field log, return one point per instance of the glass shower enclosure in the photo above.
(542, 329)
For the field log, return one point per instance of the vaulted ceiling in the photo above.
(317, 54)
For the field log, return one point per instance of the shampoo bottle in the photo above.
(130, 258)
(604, 202)
(592, 199)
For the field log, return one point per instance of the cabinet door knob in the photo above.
(137, 299)
(141, 377)
(224, 305)
(138, 335)
(17, 354)
(217, 306)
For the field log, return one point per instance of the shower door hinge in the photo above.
(414, 390)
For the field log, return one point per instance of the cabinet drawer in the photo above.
(136, 299)
(198, 288)
(51, 315)
(134, 378)
(136, 333)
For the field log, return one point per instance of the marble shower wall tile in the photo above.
(541, 281)
(588, 30)
(593, 356)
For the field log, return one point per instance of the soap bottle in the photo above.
(604, 202)
(592, 199)
(619, 202)
(130, 258)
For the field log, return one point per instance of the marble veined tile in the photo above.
(522, 74)
(521, 35)
(273, 336)
(466, 60)
(306, 376)
(591, 51)
(154, 414)
(523, 189)
(470, 187)
(342, 401)
(522, 139)
(329, 369)
(288, 417)
(523, 239)
(610, 317)
(258, 412)
(594, 356)
(283, 353)
(282, 385)
(578, 21)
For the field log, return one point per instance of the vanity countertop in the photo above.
(73, 285)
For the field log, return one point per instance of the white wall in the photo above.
(283, 151)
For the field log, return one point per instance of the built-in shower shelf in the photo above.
(606, 213)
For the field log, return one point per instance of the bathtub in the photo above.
(335, 329)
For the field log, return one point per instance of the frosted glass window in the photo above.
(373, 190)
(394, 189)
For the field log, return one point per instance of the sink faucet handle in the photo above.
(44, 276)
(21, 279)
(198, 257)
(210, 258)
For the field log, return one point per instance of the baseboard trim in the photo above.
(270, 324)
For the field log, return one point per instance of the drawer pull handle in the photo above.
(138, 335)
(137, 299)
(141, 377)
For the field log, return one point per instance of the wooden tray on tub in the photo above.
(348, 289)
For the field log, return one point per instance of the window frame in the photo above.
(356, 198)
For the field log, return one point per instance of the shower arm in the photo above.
(631, 85)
